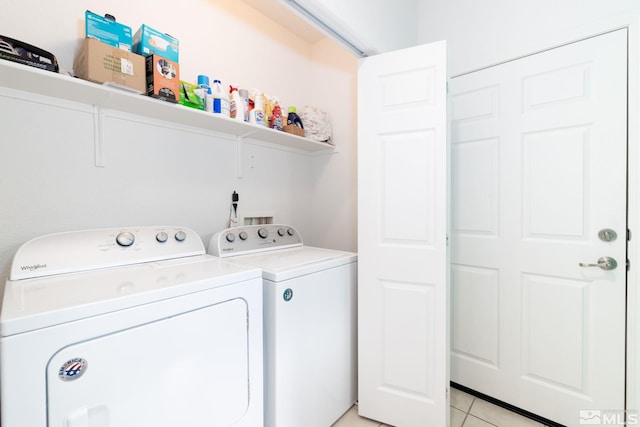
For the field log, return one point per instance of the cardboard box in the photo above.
(163, 78)
(108, 31)
(147, 41)
(101, 63)
(191, 95)
(24, 53)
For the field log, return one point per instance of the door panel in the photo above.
(402, 273)
(538, 169)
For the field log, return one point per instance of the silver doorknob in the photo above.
(605, 263)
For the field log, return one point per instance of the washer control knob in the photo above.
(162, 237)
(281, 232)
(263, 233)
(125, 239)
(243, 235)
(291, 231)
(180, 236)
(230, 237)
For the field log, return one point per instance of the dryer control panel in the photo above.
(84, 250)
(249, 239)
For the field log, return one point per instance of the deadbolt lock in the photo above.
(607, 235)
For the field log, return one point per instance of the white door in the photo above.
(538, 170)
(402, 256)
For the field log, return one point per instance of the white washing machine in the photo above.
(309, 321)
(130, 327)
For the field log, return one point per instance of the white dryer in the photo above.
(309, 320)
(130, 327)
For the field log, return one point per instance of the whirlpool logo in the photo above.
(33, 267)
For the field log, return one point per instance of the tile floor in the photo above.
(466, 411)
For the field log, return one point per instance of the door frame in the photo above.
(630, 21)
(633, 219)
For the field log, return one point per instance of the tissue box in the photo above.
(147, 41)
(163, 78)
(107, 31)
(191, 95)
(102, 63)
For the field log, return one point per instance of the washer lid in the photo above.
(37, 303)
(286, 264)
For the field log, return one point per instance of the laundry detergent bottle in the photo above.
(220, 99)
(293, 118)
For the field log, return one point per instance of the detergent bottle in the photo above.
(220, 100)
(293, 118)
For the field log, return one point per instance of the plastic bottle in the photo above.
(244, 97)
(220, 100)
(236, 104)
(257, 113)
(268, 109)
(203, 82)
(276, 120)
(293, 118)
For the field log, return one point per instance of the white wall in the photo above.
(334, 177)
(480, 34)
(159, 173)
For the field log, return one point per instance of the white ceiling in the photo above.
(276, 11)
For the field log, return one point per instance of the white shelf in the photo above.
(30, 79)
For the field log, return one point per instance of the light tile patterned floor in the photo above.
(466, 411)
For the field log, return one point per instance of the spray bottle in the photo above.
(236, 104)
(244, 97)
(276, 121)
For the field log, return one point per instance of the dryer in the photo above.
(309, 322)
(130, 327)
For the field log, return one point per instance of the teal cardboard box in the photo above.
(147, 41)
(108, 31)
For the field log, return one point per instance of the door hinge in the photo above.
(628, 264)
(628, 235)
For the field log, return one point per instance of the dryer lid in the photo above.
(286, 264)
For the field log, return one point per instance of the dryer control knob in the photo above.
(291, 232)
(231, 237)
(162, 237)
(125, 239)
(243, 235)
(263, 232)
(281, 232)
(180, 236)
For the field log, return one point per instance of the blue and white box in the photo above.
(147, 41)
(108, 31)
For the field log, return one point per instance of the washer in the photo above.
(309, 321)
(130, 327)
